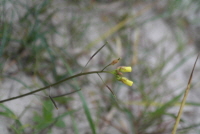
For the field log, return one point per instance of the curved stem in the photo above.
(43, 88)
(106, 67)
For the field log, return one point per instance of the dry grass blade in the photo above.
(93, 56)
(184, 99)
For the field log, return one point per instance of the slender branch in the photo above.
(115, 98)
(106, 85)
(66, 94)
(54, 84)
(93, 56)
(54, 103)
(106, 66)
(112, 63)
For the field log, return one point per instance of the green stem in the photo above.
(43, 88)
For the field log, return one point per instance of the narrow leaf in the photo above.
(184, 99)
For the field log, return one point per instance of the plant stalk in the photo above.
(54, 84)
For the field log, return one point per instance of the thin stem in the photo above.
(109, 89)
(106, 66)
(106, 85)
(54, 103)
(65, 94)
(112, 63)
(54, 84)
(93, 56)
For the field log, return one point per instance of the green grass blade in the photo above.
(84, 103)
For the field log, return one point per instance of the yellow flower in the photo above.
(126, 81)
(125, 69)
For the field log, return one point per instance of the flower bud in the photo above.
(115, 61)
(126, 81)
(125, 69)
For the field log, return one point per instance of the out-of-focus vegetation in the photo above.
(46, 41)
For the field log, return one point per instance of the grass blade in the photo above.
(184, 99)
(84, 103)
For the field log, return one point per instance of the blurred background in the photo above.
(44, 41)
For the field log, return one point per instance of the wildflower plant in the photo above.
(118, 73)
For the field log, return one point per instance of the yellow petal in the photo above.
(125, 69)
(127, 81)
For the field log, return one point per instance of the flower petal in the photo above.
(125, 69)
(126, 81)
